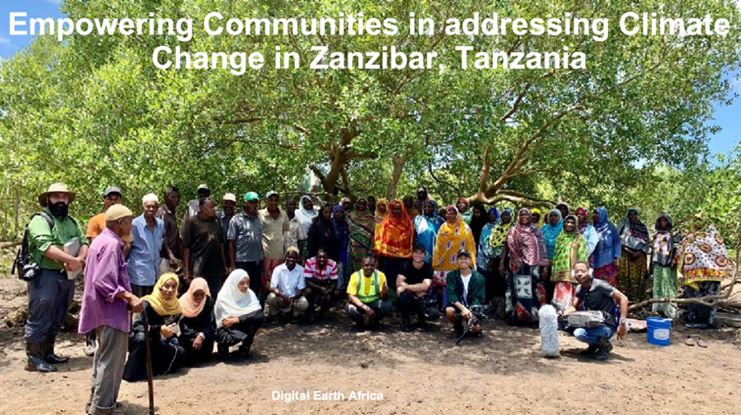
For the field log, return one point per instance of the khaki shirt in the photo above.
(272, 233)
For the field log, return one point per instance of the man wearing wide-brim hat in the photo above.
(50, 293)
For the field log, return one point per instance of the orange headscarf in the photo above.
(394, 236)
(189, 307)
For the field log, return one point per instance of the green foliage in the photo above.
(94, 111)
(711, 190)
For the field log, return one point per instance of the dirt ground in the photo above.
(401, 373)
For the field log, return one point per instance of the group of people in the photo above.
(212, 276)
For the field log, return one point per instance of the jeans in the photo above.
(49, 297)
(591, 336)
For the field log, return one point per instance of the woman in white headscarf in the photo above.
(305, 212)
(238, 314)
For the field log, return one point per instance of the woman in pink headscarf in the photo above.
(197, 322)
(527, 255)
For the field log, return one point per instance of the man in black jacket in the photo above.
(465, 288)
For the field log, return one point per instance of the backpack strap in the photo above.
(48, 218)
(24, 252)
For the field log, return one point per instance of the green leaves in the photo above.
(94, 111)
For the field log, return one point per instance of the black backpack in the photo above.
(22, 264)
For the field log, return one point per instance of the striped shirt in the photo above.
(312, 271)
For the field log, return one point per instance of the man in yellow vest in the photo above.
(367, 294)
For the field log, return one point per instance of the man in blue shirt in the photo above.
(148, 234)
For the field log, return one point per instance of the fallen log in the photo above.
(728, 319)
(9, 244)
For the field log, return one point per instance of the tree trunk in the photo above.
(398, 161)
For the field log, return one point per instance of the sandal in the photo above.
(702, 344)
(690, 341)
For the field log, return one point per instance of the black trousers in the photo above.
(141, 290)
(391, 267)
(244, 331)
(254, 270)
(323, 301)
(411, 304)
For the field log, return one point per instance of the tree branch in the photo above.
(226, 143)
(518, 158)
(346, 183)
(518, 199)
(11, 244)
(318, 174)
(485, 165)
(529, 172)
(353, 154)
(398, 161)
(516, 104)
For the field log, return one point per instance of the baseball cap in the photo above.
(111, 189)
(464, 253)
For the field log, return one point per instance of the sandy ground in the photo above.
(402, 373)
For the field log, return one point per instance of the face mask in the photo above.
(59, 209)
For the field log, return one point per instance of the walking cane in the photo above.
(150, 386)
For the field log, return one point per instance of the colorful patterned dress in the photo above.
(570, 248)
(704, 265)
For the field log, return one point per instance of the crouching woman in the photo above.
(197, 326)
(161, 313)
(238, 315)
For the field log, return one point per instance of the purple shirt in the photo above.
(105, 277)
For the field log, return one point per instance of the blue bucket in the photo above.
(659, 331)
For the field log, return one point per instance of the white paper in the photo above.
(72, 247)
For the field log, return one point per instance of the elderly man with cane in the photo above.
(106, 302)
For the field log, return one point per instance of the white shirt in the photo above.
(465, 280)
(193, 208)
(288, 282)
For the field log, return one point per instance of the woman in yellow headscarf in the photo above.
(454, 235)
(161, 314)
(382, 210)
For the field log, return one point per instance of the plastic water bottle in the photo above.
(548, 323)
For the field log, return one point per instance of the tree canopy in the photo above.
(631, 129)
